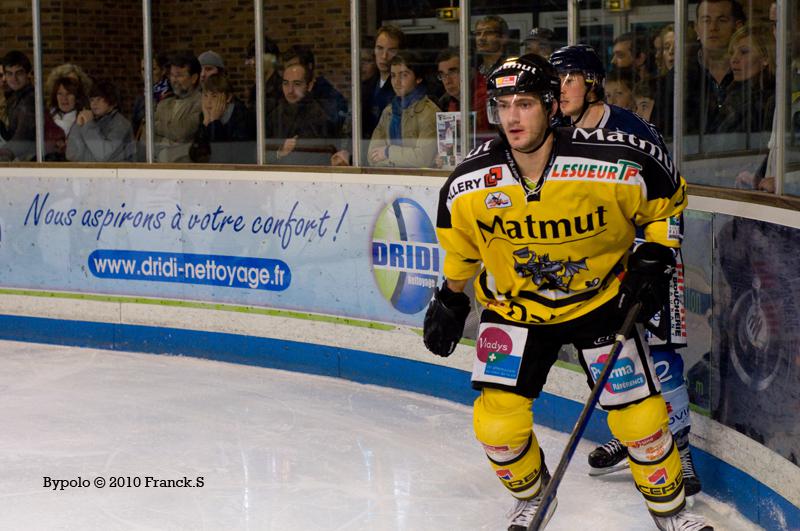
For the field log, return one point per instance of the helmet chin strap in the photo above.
(540, 144)
(586, 105)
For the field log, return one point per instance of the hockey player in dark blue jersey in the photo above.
(583, 95)
(582, 105)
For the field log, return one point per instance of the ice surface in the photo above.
(276, 451)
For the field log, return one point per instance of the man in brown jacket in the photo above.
(178, 117)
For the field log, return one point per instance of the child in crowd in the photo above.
(101, 134)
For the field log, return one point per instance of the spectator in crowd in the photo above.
(4, 92)
(619, 89)
(226, 128)
(539, 41)
(764, 178)
(67, 99)
(272, 78)
(322, 90)
(210, 63)
(750, 99)
(667, 56)
(406, 133)
(67, 70)
(491, 42)
(19, 132)
(161, 90)
(299, 131)
(657, 45)
(631, 52)
(101, 134)
(448, 66)
(709, 75)
(448, 71)
(644, 97)
(368, 67)
(661, 114)
(377, 91)
(178, 117)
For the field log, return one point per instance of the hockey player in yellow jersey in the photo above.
(544, 219)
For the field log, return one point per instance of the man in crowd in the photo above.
(539, 41)
(210, 63)
(178, 117)
(709, 75)
(322, 90)
(491, 41)
(631, 52)
(161, 90)
(448, 70)
(19, 132)
(377, 92)
(272, 78)
(299, 131)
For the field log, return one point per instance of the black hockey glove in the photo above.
(647, 279)
(444, 320)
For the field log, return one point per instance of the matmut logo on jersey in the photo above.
(583, 169)
(405, 255)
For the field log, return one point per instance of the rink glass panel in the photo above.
(727, 121)
(792, 91)
(754, 367)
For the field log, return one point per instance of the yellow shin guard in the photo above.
(503, 424)
(654, 459)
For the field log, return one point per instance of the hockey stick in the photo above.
(580, 426)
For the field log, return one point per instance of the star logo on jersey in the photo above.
(498, 200)
(659, 477)
(505, 474)
(546, 273)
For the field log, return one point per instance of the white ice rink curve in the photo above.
(276, 451)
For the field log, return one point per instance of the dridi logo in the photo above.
(405, 255)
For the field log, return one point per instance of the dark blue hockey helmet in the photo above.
(581, 58)
(529, 73)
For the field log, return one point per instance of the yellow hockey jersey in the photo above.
(551, 251)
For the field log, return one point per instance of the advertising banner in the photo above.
(351, 250)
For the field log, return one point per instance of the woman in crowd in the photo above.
(67, 70)
(101, 134)
(406, 133)
(67, 99)
(750, 101)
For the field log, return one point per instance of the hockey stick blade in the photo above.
(580, 425)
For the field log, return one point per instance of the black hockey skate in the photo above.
(610, 457)
(691, 483)
(683, 521)
(521, 515)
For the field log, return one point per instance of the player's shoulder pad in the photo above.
(618, 144)
(486, 166)
(630, 122)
